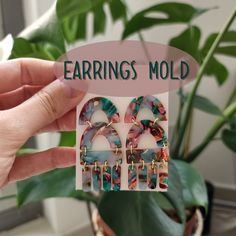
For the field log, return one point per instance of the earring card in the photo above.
(122, 143)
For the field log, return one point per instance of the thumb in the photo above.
(46, 106)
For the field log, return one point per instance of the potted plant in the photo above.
(136, 213)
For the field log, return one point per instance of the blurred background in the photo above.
(217, 163)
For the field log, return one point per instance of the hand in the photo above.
(33, 101)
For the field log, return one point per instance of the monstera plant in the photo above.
(138, 213)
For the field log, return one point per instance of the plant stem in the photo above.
(228, 112)
(231, 97)
(188, 105)
(177, 124)
(187, 139)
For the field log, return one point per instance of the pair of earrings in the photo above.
(103, 168)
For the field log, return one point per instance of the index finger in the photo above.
(25, 71)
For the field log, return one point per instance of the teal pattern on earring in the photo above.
(96, 104)
(132, 177)
(106, 178)
(100, 128)
(96, 173)
(116, 178)
(90, 133)
(150, 102)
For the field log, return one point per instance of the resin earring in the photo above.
(102, 168)
(96, 104)
(150, 102)
(102, 161)
(145, 158)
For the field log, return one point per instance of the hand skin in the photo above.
(32, 100)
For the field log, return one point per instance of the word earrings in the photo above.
(100, 169)
(144, 164)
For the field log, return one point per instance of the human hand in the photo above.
(32, 101)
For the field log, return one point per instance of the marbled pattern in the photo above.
(163, 175)
(96, 175)
(96, 104)
(149, 102)
(149, 154)
(90, 133)
(106, 177)
(86, 179)
(100, 128)
(141, 128)
(157, 154)
(132, 177)
(116, 178)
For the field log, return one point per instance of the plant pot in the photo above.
(194, 225)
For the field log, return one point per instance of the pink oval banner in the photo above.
(126, 68)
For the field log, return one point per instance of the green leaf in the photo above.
(56, 183)
(72, 16)
(218, 70)
(117, 9)
(174, 194)
(49, 31)
(229, 37)
(193, 186)
(23, 48)
(139, 213)
(204, 104)
(99, 19)
(66, 9)
(232, 123)
(191, 34)
(68, 139)
(170, 13)
(229, 139)
(215, 67)
(227, 50)
(74, 28)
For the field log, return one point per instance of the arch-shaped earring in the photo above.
(95, 104)
(145, 158)
(90, 156)
(149, 102)
(111, 177)
(148, 155)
